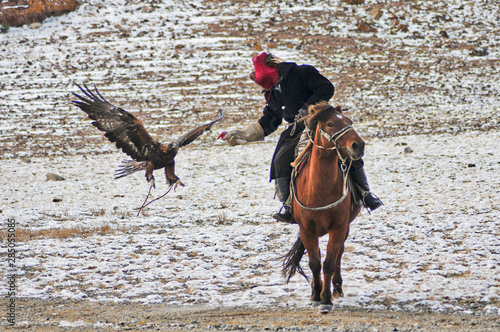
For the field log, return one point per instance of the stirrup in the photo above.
(283, 216)
(375, 204)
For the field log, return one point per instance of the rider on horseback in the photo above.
(289, 89)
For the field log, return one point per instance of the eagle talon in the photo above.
(151, 181)
(178, 183)
(175, 182)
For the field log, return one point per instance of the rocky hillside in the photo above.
(20, 12)
(401, 67)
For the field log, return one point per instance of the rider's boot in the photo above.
(370, 201)
(283, 191)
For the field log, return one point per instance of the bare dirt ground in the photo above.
(51, 315)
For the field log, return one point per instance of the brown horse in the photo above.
(322, 200)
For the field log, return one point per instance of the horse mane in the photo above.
(319, 112)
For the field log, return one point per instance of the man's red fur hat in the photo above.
(265, 76)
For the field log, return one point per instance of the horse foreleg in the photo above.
(328, 271)
(331, 270)
(312, 246)
(336, 250)
(337, 278)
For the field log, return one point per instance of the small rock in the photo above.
(479, 52)
(471, 165)
(365, 27)
(35, 25)
(376, 12)
(147, 9)
(57, 200)
(354, 2)
(54, 177)
(408, 150)
(399, 27)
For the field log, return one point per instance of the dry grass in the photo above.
(222, 219)
(26, 234)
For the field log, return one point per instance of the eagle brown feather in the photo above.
(129, 135)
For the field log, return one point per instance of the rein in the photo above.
(343, 167)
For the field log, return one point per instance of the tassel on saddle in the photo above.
(302, 155)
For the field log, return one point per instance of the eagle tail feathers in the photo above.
(129, 167)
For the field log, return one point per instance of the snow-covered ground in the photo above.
(434, 243)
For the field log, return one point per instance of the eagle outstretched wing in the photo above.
(129, 135)
(193, 134)
(119, 126)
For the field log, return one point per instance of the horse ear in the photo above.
(311, 110)
(338, 108)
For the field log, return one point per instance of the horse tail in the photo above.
(129, 167)
(291, 261)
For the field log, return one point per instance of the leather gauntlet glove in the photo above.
(251, 133)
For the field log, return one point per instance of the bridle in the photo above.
(343, 166)
(333, 139)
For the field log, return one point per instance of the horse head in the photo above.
(333, 131)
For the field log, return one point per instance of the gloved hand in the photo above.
(301, 113)
(251, 133)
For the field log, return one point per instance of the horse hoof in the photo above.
(325, 308)
(315, 304)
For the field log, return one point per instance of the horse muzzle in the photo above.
(356, 150)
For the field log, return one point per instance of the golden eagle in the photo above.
(129, 134)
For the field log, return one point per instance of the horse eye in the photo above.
(330, 124)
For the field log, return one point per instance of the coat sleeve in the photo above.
(270, 120)
(322, 89)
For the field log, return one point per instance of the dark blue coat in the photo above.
(300, 86)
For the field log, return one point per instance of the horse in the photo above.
(322, 200)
